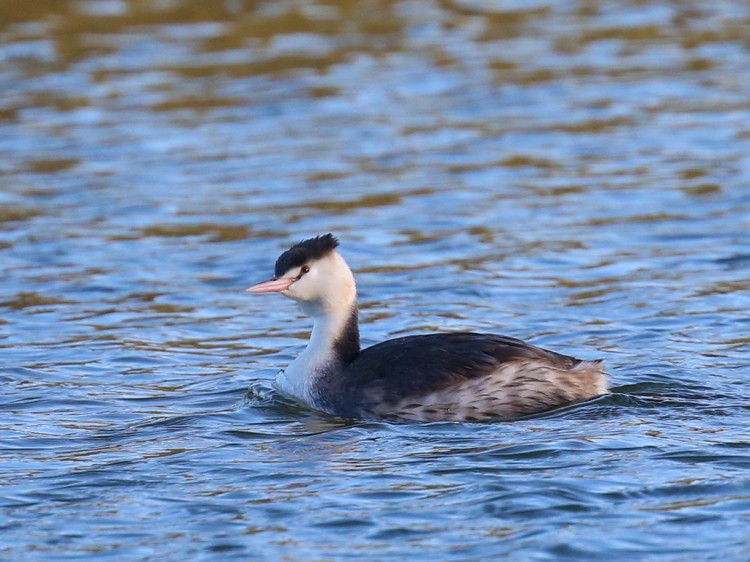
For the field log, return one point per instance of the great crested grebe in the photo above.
(460, 376)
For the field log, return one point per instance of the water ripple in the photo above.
(570, 173)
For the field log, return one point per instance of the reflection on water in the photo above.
(574, 173)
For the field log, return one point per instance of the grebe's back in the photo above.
(460, 376)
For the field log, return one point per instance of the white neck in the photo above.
(320, 357)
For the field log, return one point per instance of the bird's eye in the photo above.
(305, 269)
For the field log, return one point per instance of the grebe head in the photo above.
(313, 274)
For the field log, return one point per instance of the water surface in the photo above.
(572, 173)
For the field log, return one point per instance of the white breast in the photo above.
(298, 379)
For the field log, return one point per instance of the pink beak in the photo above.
(272, 286)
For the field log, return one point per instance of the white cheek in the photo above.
(301, 289)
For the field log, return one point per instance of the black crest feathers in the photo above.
(305, 251)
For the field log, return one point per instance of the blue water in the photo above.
(572, 173)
